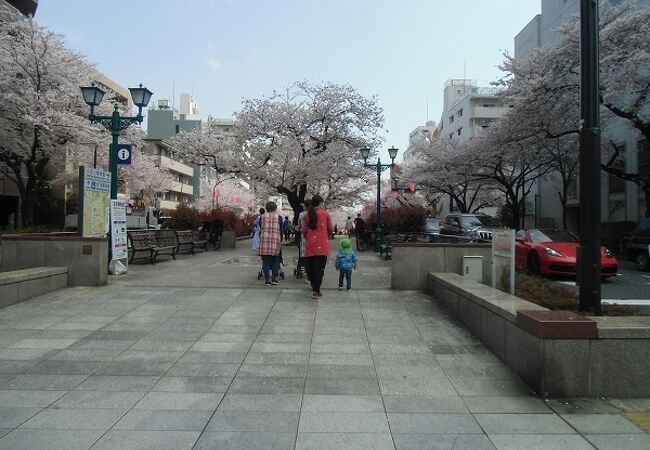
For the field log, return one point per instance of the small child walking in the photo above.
(346, 260)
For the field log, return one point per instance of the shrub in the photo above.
(403, 219)
(184, 217)
(231, 218)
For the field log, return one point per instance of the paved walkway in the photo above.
(197, 353)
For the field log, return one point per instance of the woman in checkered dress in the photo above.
(270, 243)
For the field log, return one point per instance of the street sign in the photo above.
(123, 152)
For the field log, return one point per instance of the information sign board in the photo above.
(94, 199)
(118, 230)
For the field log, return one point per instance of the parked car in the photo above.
(478, 226)
(639, 246)
(553, 252)
(433, 225)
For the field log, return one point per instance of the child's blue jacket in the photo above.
(345, 262)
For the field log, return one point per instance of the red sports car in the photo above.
(553, 252)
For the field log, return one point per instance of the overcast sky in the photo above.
(224, 50)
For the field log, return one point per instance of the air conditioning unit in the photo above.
(163, 104)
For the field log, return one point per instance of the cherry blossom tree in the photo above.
(440, 168)
(42, 109)
(307, 140)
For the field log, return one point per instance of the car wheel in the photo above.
(533, 264)
(641, 261)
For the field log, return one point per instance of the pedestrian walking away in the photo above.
(270, 243)
(349, 226)
(301, 266)
(256, 230)
(316, 228)
(286, 228)
(346, 261)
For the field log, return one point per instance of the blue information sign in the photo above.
(123, 152)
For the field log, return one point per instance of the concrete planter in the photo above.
(228, 239)
(85, 258)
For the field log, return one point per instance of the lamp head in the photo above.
(392, 152)
(141, 96)
(365, 152)
(92, 95)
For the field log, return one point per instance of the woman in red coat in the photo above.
(316, 228)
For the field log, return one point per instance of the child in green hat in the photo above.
(346, 260)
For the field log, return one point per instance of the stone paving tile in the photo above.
(27, 398)
(269, 421)
(136, 440)
(267, 385)
(341, 371)
(209, 384)
(342, 403)
(442, 442)
(24, 354)
(354, 386)
(12, 416)
(261, 402)
(85, 355)
(246, 440)
(98, 400)
(135, 368)
(601, 424)
(584, 406)
(74, 419)
(203, 370)
(523, 423)
(44, 382)
(273, 370)
(219, 347)
(433, 423)
(543, 442)
(213, 357)
(336, 441)
(340, 348)
(119, 383)
(619, 441)
(363, 359)
(180, 400)
(478, 386)
(29, 439)
(277, 358)
(164, 420)
(506, 405)
(343, 422)
(420, 403)
(438, 386)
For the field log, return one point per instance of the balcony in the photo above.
(185, 189)
(496, 112)
(175, 166)
(168, 205)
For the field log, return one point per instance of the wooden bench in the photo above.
(200, 239)
(146, 242)
(191, 240)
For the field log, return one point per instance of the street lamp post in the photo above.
(379, 167)
(93, 96)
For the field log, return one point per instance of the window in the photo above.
(178, 129)
(616, 210)
(451, 119)
(643, 149)
(460, 130)
(460, 112)
(451, 135)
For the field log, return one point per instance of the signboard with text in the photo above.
(118, 230)
(94, 199)
(503, 260)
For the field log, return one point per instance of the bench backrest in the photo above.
(143, 241)
(184, 237)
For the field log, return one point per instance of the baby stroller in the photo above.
(300, 270)
(260, 274)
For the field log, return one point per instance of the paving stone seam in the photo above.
(279, 292)
(304, 385)
(374, 364)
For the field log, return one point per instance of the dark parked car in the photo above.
(433, 225)
(477, 226)
(639, 246)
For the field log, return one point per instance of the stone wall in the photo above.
(85, 258)
(558, 356)
(412, 262)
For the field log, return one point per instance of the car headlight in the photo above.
(608, 253)
(552, 252)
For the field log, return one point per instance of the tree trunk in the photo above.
(646, 191)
